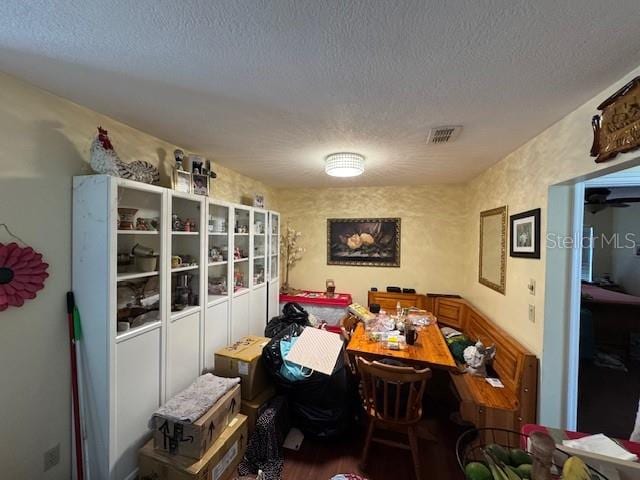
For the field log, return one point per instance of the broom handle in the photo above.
(74, 389)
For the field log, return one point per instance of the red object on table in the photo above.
(558, 435)
(310, 297)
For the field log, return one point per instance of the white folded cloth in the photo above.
(602, 445)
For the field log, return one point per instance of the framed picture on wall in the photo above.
(364, 242)
(524, 239)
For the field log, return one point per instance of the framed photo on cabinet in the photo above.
(524, 239)
(181, 181)
(200, 184)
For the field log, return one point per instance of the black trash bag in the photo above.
(319, 405)
(292, 313)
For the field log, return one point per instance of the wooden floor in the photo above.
(321, 460)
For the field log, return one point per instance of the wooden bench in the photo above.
(388, 301)
(480, 403)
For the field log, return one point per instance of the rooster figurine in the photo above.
(105, 160)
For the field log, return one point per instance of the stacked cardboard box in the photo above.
(244, 359)
(209, 448)
(254, 408)
(218, 463)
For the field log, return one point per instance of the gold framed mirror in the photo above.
(493, 249)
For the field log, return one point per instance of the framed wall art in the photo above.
(524, 238)
(492, 256)
(365, 242)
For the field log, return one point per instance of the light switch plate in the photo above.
(532, 313)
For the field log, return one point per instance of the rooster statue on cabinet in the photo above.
(105, 160)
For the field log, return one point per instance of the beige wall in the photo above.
(432, 250)
(521, 181)
(44, 141)
(625, 263)
(602, 223)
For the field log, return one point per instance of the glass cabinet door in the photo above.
(218, 252)
(138, 244)
(186, 233)
(241, 245)
(259, 247)
(274, 232)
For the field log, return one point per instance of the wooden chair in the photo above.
(393, 400)
(347, 326)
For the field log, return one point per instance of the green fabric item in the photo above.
(77, 328)
(457, 347)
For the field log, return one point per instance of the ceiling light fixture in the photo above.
(344, 164)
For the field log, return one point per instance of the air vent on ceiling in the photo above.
(440, 135)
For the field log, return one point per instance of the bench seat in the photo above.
(516, 367)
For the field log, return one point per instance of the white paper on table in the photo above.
(601, 444)
(316, 349)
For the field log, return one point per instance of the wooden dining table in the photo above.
(429, 350)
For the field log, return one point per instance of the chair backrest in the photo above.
(393, 393)
(347, 326)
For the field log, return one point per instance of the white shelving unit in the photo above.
(273, 262)
(187, 290)
(167, 336)
(123, 372)
(258, 286)
(219, 279)
(241, 272)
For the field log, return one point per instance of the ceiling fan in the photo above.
(597, 199)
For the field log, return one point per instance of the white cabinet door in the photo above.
(183, 352)
(274, 299)
(216, 331)
(137, 396)
(258, 311)
(240, 317)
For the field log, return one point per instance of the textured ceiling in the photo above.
(270, 88)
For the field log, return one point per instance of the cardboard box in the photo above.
(243, 359)
(217, 463)
(194, 439)
(254, 408)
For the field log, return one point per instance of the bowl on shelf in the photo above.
(126, 218)
(146, 263)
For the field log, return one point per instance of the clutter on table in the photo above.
(394, 331)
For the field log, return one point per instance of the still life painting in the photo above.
(371, 242)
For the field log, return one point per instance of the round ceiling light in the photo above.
(344, 165)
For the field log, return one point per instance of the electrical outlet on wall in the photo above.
(52, 457)
(532, 313)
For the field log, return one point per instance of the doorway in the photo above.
(608, 377)
(559, 368)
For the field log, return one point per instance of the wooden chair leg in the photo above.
(367, 444)
(415, 453)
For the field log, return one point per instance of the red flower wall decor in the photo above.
(22, 274)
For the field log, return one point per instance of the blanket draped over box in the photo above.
(195, 400)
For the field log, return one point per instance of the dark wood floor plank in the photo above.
(320, 460)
